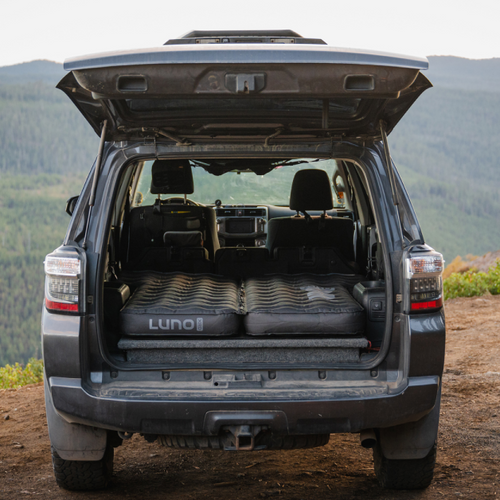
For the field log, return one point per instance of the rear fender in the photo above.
(73, 441)
(413, 440)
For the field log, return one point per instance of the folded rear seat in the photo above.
(182, 304)
(302, 304)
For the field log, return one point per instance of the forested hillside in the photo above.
(47, 151)
(32, 224)
(40, 129)
(444, 149)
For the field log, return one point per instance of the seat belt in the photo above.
(112, 252)
(124, 235)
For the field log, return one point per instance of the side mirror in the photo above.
(71, 204)
(339, 188)
(338, 184)
(138, 199)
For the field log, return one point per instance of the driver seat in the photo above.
(176, 177)
(150, 224)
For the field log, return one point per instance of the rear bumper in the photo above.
(288, 415)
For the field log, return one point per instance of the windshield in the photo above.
(232, 188)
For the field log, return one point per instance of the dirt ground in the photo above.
(468, 464)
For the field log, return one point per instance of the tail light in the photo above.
(424, 281)
(63, 284)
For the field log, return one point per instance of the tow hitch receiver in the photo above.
(243, 437)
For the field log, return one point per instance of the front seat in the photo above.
(180, 214)
(311, 190)
(149, 225)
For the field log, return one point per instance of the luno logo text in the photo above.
(176, 324)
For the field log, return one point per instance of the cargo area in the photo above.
(214, 284)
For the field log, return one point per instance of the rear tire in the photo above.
(414, 474)
(83, 475)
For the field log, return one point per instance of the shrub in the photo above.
(472, 283)
(457, 265)
(14, 376)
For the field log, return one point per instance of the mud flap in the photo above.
(73, 441)
(413, 440)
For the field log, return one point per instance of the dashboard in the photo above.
(246, 225)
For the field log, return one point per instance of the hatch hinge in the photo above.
(153, 142)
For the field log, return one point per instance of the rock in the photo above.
(270, 493)
(6, 417)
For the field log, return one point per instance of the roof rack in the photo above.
(244, 36)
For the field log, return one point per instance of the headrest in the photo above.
(183, 238)
(171, 177)
(311, 190)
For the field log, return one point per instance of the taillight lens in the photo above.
(425, 282)
(63, 284)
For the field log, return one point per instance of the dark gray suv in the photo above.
(243, 269)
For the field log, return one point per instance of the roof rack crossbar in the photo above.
(242, 33)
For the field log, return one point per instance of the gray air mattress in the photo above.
(182, 304)
(301, 304)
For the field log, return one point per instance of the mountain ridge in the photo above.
(464, 74)
(38, 70)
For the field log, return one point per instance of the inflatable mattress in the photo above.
(175, 304)
(301, 304)
(182, 304)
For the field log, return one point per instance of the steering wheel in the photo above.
(180, 201)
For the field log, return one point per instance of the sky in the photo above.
(59, 29)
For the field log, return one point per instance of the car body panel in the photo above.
(156, 415)
(61, 344)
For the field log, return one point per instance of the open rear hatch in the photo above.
(252, 92)
(183, 91)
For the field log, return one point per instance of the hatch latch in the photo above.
(244, 83)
